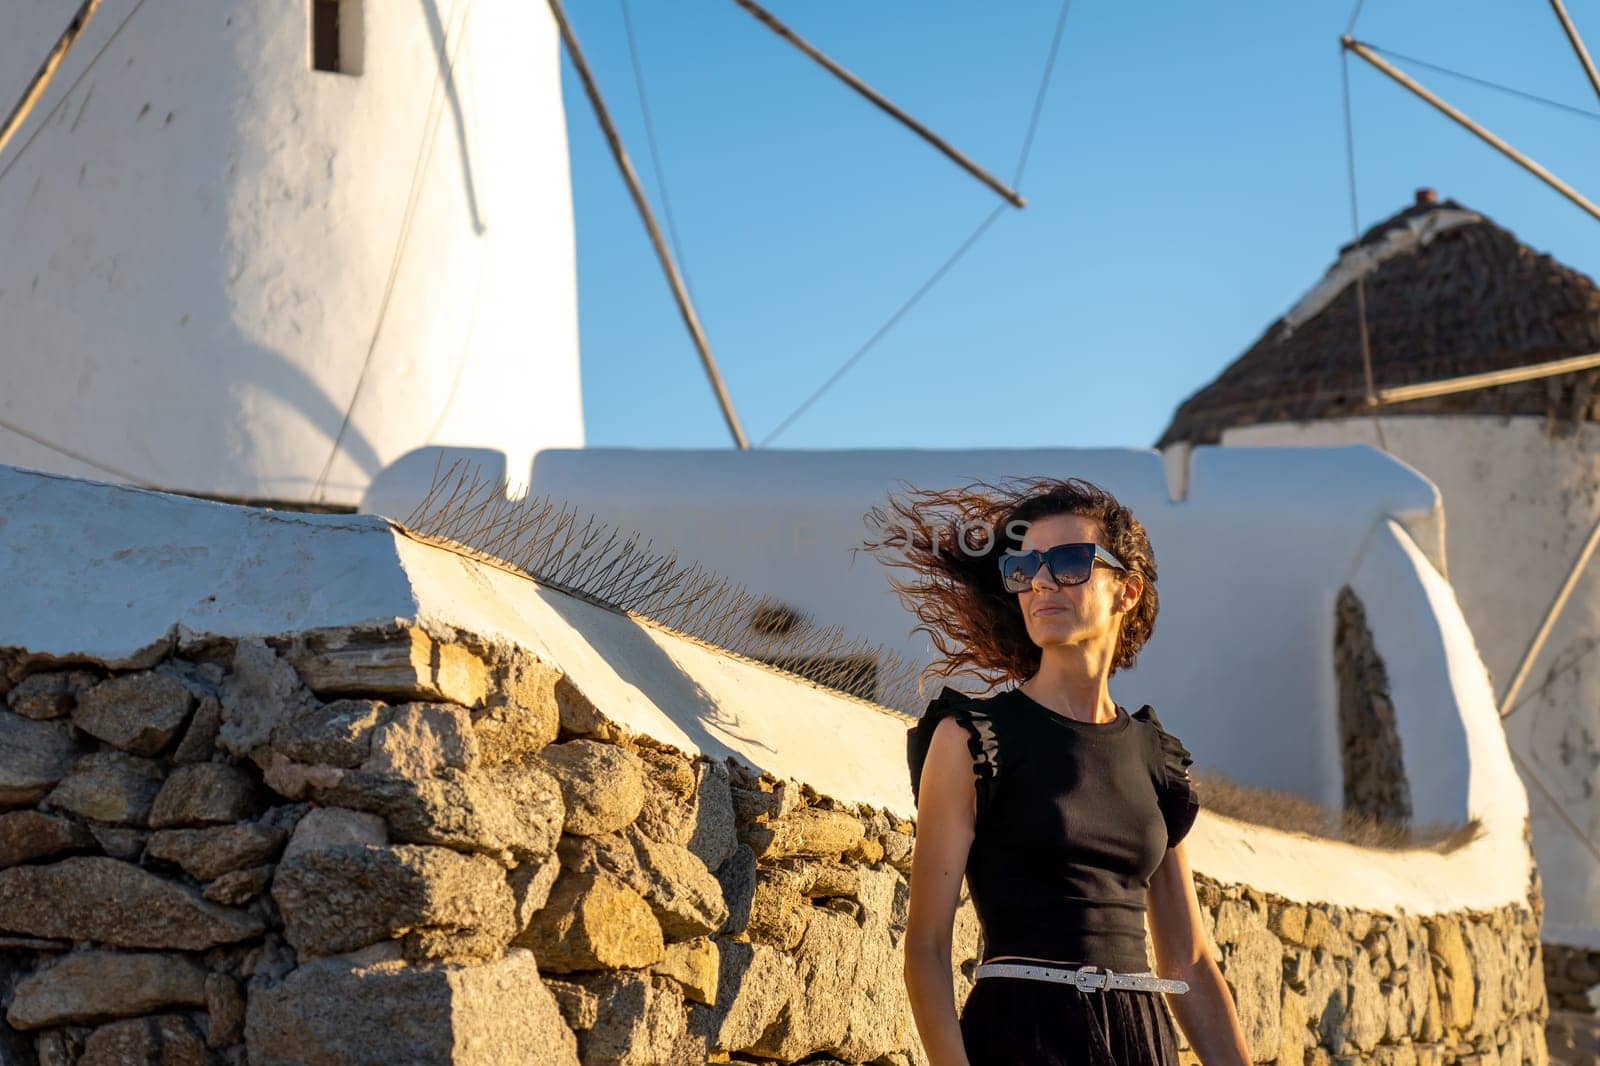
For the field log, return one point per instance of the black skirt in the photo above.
(1011, 1020)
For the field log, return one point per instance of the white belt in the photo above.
(1085, 978)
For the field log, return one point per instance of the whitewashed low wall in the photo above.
(1256, 547)
(1326, 946)
(1518, 502)
(116, 575)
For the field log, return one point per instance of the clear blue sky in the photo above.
(1187, 184)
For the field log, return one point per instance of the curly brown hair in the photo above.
(950, 541)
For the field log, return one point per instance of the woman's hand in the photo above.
(1205, 1012)
(946, 816)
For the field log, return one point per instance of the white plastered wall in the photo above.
(1519, 503)
(112, 574)
(1250, 563)
(201, 231)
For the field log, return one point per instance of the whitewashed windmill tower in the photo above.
(263, 250)
(1453, 298)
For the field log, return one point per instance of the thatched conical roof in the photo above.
(1448, 293)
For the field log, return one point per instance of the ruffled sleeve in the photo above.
(1170, 762)
(981, 743)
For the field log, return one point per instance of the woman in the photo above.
(1065, 812)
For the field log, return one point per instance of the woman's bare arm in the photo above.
(946, 815)
(1206, 1011)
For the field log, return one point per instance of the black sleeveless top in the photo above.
(1072, 820)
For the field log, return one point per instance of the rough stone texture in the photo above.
(694, 965)
(167, 1039)
(331, 734)
(523, 714)
(737, 876)
(683, 894)
(273, 959)
(1375, 785)
(637, 1023)
(333, 1013)
(580, 717)
(402, 664)
(763, 801)
(261, 691)
(1489, 969)
(285, 816)
(816, 879)
(200, 738)
(1254, 971)
(206, 854)
(602, 785)
(806, 832)
(225, 1009)
(1369, 1014)
(113, 902)
(1421, 1000)
(139, 713)
(593, 921)
(97, 986)
(1360, 987)
(897, 850)
(1569, 973)
(420, 739)
(342, 898)
(753, 985)
(208, 793)
(825, 964)
(713, 839)
(530, 886)
(513, 813)
(109, 786)
(436, 844)
(1293, 1034)
(579, 1006)
(879, 1020)
(669, 796)
(1452, 972)
(119, 841)
(33, 757)
(50, 695)
(295, 780)
(328, 827)
(238, 887)
(28, 836)
(779, 911)
(56, 1048)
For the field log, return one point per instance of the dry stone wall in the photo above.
(1333, 986)
(1570, 973)
(1375, 787)
(380, 847)
(385, 846)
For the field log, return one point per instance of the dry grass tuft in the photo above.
(1275, 809)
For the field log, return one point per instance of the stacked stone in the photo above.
(1375, 788)
(1570, 973)
(705, 913)
(107, 953)
(395, 846)
(1333, 986)
(383, 847)
(233, 848)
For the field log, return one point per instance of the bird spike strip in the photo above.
(557, 546)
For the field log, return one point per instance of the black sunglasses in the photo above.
(1068, 564)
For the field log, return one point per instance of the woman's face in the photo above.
(1090, 613)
